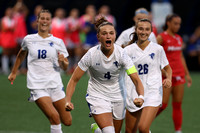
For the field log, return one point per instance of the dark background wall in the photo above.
(123, 10)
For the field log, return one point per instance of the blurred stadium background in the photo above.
(17, 115)
(123, 10)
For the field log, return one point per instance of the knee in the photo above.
(143, 129)
(130, 129)
(68, 121)
(54, 119)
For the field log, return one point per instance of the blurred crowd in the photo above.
(75, 29)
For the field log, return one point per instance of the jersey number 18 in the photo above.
(42, 54)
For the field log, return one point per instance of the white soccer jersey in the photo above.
(126, 36)
(106, 74)
(148, 63)
(43, 67)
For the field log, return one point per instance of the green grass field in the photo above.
(17, 115)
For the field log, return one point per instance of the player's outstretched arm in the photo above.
(139, 88)
(77, 74)
(20, 57)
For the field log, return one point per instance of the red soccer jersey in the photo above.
(8, 39)
(173, 49)
(58, 28)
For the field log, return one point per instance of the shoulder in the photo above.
(128, 31)
(156, 46)
(30, 37)
(163, 34)
(118, 48)
(177, 35)
(161, 37)
(91, 54)
(129, 47)
(152, 35)
(153, 44)
(120, 52)
(56, 39)
(94, 49)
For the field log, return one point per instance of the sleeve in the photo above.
(85, 61)
(152, 37)
(164, 62)
(126, 61)
(122, 39)
(63, 49)
(24, 44)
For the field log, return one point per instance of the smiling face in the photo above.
(44, 22)
(107, 36)
(143, 30)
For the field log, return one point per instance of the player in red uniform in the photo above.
(172, 44)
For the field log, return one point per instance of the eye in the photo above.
(104, 33)
(147, 29)
(140, 28)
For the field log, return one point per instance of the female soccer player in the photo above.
(46, 55)
(172, 44)
(149, 59)
(106, 64)
(126, 36)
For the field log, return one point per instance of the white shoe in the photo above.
(95, 128)
(149, 131)
(178, 131)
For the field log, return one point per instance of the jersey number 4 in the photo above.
(143, 69)
(107, 75)
(42, 54)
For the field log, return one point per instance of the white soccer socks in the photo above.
(56, 129)
(109, 129)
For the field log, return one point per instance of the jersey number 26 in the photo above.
(143, 69)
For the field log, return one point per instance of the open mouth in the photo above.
(108, 42)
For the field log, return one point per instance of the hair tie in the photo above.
(141, 11)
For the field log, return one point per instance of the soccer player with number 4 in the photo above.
(46, 55)
(150, 60)
(106, 64)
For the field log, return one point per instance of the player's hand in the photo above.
(61, 57)
(167, 83)
(11, 77)
(138, 102)
(189, 80)
(69, 106)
